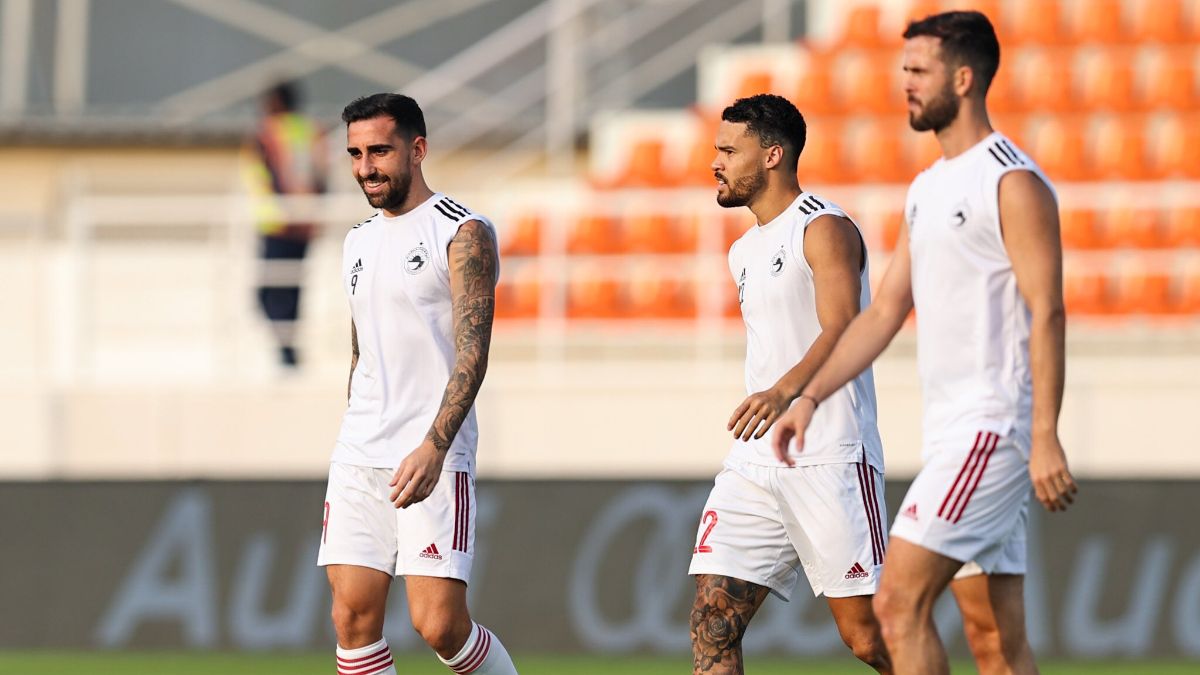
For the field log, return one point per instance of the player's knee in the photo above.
(866, 644)
(895, 610)
(441, 632)
(716, 629)
(991, 645)
(356, 625)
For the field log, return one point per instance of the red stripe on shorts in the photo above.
(961, 472)
(987, 455)
(872, 517)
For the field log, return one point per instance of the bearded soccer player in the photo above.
(420, 276)
(801, 274)
(982, 264)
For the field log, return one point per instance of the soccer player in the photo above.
(801, 274)
(420, 276)
(982, 264)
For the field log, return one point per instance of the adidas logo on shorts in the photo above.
(857, 572)
(431, 552)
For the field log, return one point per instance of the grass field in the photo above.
(56, 663)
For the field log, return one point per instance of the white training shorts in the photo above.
(432, 538)
(762, 524)
(970, 503)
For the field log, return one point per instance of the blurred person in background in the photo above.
(420, 276)
(802, 276)
(981, 263)
(285, 158)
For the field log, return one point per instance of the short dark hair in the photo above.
(967, 39)
(410, 121)
(773, 119)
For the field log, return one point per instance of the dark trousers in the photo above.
(282, 303)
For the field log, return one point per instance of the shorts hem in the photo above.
(852, 592)
(932, 548)
(781, 593)
(457, 574)
(356, 563)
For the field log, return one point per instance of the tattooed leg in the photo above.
(723, 608)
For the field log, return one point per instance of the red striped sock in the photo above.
(373, 659)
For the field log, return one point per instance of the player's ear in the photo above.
(964, 80)
(774, 156)
(418, 148)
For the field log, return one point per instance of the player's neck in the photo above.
(773, 201)
(418, 194)
(966, 131)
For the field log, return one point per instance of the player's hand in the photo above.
(754, 417)
(417, 475)
(791, 425)
(1052, 481)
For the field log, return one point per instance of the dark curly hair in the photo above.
(410, 121)
(774, 120)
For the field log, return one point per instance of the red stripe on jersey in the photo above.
(961, 472)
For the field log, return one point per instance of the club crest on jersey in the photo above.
(778, 262)
(960, 214)
(416, 260)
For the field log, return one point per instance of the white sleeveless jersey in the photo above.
(775, 290)
(397, 280)
(972, 322)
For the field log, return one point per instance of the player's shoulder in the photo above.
(450, 211)
(812, 207)
(1003, 154)
(364, 223)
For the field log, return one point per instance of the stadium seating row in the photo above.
(1032, 79)
(1042, 22)
(668, 233)
(870, 150)
(594, 291)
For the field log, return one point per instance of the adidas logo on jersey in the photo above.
(431, 552)
(357, 267)
(857, 572)
(910, 512)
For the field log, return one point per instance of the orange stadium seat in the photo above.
(644, 167)
(822, 158)
(1079, 231)
(523, 235)
(814, 89)
(1175, 148)
(868, 82)
(1099, 22)
(862, 28)
(1119, 149)
(1035, 22)
(1127, 227)
(1170, 80)
(1143, 292)
(889, 233)
(1181, 227)
(593, 234)
(876, 152)
(649, 232)
(593, 293)
(1057, 146)
(653, 295)
(1189, 292)
(1107, 82)
(1002, 95)
(755, 82)
(519, 293)
(1085, 293)
(698, 169)
(1158, 21)
(1046, 84)
(734, 225)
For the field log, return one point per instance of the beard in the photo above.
(391, 198)
(742, 190)
(938, 113)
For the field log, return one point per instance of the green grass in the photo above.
(149, 663)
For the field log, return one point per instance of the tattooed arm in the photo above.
(474, 263)
(353, 358)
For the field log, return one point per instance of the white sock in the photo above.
(483, 655)
(373, 659)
